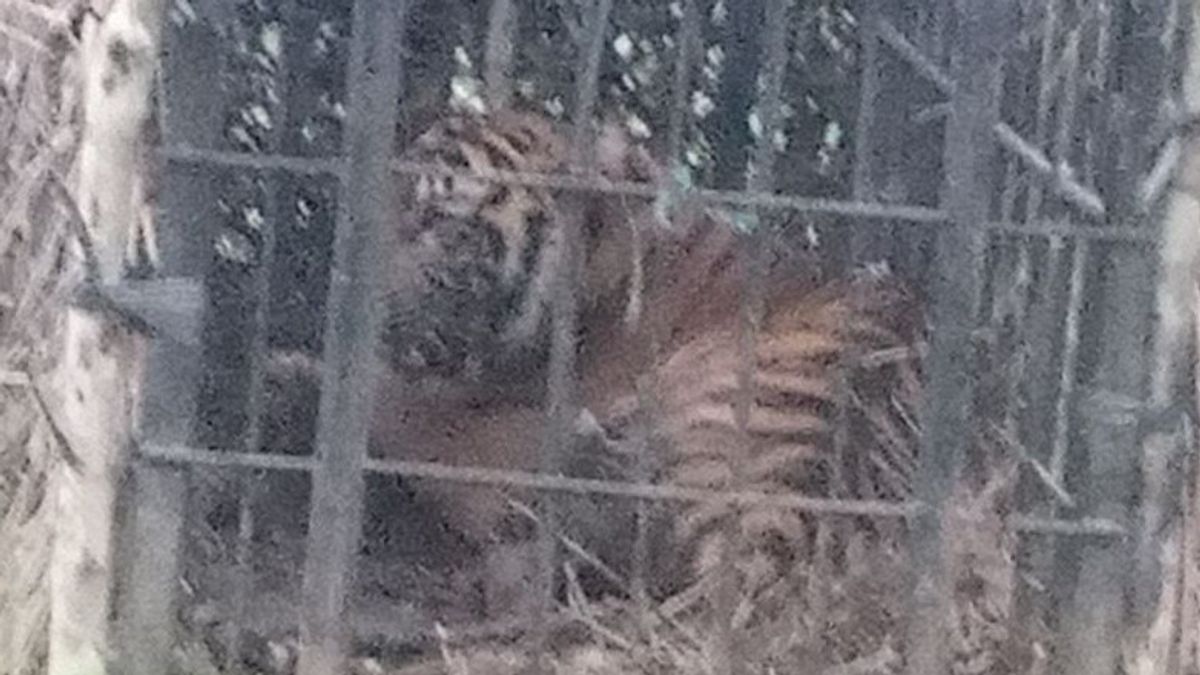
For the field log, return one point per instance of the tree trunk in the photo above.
(94, 395)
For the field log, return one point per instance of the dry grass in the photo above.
(845, 618)
(38, 141)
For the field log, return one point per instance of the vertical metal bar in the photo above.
(984, 27)
(689, 38)
(1093, 619)
(1046, 424)
(365, 205)
(1079, 258)
(761, 178)
(1092, 616)
(172, 372)
(497, 61)
(867, 158)
(250, 485)
(1046, 82)
(1070, 358)
(648, 387)
(147, 629)
(740, 38)
(563, 404)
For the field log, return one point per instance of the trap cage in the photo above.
(1010, 156)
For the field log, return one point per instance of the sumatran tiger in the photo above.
(828, 383)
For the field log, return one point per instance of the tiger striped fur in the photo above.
(835, 368)
(835, 378)
(478, 255)
(835, 381)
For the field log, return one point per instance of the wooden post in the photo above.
(95, 387)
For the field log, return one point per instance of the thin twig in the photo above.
(72, 458)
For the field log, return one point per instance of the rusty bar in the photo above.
(985, 28)
(859, 209)
(365, 204)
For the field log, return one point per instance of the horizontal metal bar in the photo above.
(1073, 231)
(1101, 527)
(180, 454)
(747, 199)
(461, 474)
(586, 486)
(561, 181)
(798, 204)
(177, 454)
(393, 622)
(182, 154)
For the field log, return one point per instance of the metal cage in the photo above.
(1032, 115)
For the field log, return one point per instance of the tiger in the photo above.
(835, 387)
(836, 367)
(470, 285)
(466, 293)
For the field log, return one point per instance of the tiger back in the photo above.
(835, 378)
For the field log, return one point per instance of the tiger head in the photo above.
(470, 287)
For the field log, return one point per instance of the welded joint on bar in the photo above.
(1063, 180)
(924, 66)
(1061, 175)
(170, 307)
(1061, 495)
(1160, 175)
